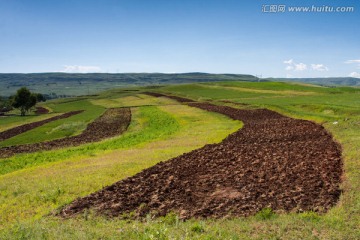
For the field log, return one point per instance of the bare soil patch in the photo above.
(179, 99)
(273, 161)
(112, 123)
(27, 127)
(41, 110)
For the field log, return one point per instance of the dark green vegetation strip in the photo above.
(281, 86)
(157, 124)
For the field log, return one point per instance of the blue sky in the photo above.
(222, 36)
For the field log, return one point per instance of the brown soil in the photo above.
(179, 99)
(41, 110)
(27, 127)
(112, 123)
(273, 161)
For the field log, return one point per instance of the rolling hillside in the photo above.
(170, 127)
(56, 85)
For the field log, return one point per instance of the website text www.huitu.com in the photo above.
(276, 8)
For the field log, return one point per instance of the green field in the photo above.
(32, 186)
(60, 128)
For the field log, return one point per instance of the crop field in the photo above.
(245, 160)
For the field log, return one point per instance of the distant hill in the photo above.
(75, 84)
(339, 81)
(65, 84)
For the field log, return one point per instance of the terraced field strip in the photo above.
(273, 162)
(179, 99)
(112, 123)
(133, 101)
(252, 90)
(27, 127)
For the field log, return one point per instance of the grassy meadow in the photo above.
(33, 186)
(60, 128)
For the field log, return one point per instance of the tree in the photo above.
(5, 104)
(24, 100)
(40, 97)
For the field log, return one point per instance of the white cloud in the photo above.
(319, 67)
(356, 61)
(80, 69)
(300, 66)
(355, 74)
(293, 66)
(353, 61)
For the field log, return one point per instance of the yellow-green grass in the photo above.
(60, 128)
(252, 90)
(204, 92)
(17, 120)
(132, 101)
(147, 124)
(31, 193)
(89, 226)
(14, 119)
(281, 86)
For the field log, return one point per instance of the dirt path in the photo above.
(273, 161)
(112, 123)
(27, 127)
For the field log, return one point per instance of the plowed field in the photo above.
(273, 161)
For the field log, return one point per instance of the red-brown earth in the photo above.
(41, 110)
(179, 99)
(274, 161)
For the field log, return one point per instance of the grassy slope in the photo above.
(134, 100)
(14, 121)
(204, 92)
(60, 128)
(156, 134)
(330, 105)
